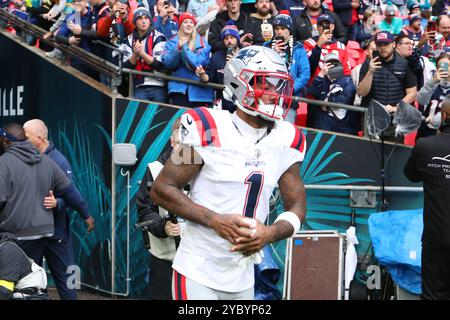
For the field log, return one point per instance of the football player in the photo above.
(234, 162)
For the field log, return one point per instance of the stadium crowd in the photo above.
(344, 51)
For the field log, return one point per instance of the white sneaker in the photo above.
(55, 53)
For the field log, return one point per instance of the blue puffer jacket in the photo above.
(183, 63)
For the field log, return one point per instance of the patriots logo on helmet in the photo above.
(246, 55)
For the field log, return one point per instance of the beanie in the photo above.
(283, 19)
(230, 29)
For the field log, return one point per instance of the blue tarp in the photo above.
(396, 238)
(267, 275)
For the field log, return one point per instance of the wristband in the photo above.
(292, 218)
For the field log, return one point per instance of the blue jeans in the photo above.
(151, 93)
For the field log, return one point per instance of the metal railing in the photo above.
(217, 86)
(115, 72)
(96, 63)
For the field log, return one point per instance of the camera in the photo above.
(336, 72)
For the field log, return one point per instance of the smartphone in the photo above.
(326, 28)
(443, 66)
(166, 4)
(376, 54)
(431, 26)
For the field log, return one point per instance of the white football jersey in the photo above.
(242, 165)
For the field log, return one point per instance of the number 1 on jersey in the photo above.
(255, 182)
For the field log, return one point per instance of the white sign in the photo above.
(11, 100)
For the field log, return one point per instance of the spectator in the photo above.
(57, 249)
(119, 23)
(293, 6)
(431, 96)
(27, 180)
(347, 11)
(414, 30)
(318, 47)
(68, 9)
(443, 27)
(328, 86)
(162, 236)
(440, 7)
(260, 23)
(370, 47)
(153, 6)
(184, 53)
(364, 30)
(417, 63)
(391, 23)
(294, 55)
(388, 79)
(428, 164)
(70, 33)
(165, 20)
(434, 42)
(239, 18)
(145, 48)
(215, 68)
(199, 8)
(306, 24)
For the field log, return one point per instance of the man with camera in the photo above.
(332, 85)
(388, 79)
(320, 46)
(165, 19)
(161, 230)
(306, 24)
(215, 68)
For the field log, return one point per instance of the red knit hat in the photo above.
(184, 16)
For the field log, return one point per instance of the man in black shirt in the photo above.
(387, 78)
(430, 163)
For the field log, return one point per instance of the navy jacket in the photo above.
(60, 216)
(324, 119)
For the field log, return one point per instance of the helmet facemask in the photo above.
(268, 93)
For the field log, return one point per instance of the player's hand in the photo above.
(231, 226)
(172, 229)
(255, 242)
(90, 224)
(50, 201)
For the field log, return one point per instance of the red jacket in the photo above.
(316, 55)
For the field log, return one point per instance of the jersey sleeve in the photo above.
(295, 147)
(198, 129)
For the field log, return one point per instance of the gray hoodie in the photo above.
(26, 177)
